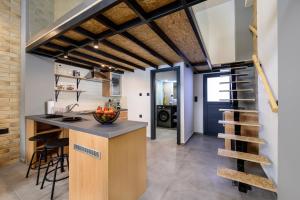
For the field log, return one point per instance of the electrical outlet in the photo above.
(141, 94)
(148, 94)
(196, 99)
(141, 116)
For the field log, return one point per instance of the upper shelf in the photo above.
(130, 34)
(82, 78)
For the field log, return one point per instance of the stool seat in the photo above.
(56, 143)
(59, 144)
(44, 137)
(41, 153)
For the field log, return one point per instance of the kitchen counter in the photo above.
(90, 125)
(119, 171)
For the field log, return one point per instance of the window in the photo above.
(214, 87)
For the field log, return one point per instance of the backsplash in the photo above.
(89, 100)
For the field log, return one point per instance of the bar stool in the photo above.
(54, 144)
(40, 152)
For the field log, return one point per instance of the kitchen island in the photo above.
(107, 162)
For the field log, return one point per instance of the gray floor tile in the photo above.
(185, 172)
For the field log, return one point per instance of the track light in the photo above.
(66, 55)
(96, 44)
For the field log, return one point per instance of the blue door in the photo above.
(214, 99)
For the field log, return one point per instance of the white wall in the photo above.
(243, 37)
(139, 82)
(288, 137)
(198, 106)
(217, 25)
(186, 102)
(39, 83)
(268, 55)
(88, 100)
(133, 84)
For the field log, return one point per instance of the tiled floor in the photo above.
(174, 173)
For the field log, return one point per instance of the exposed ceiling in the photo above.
(132, 34)
(208, 4)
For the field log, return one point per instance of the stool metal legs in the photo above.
(58, 166)
(42, 156)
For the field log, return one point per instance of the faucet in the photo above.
(70, 107)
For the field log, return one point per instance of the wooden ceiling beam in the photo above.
(109, 24)
(59, 29)
(99, 60)
(75, 64)
(139, 11)
(110, 56)
(197, 32)
(125, 51)
(74, 45)
(145, 47)
(168, 41)
(44, 52)
(114, 46)
(75, 59)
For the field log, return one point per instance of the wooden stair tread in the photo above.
(238, 123)
(238, 110)
(246, 81)
(238, 90)
(237, 99)
(250, 179)
(244, 156)
(241, 138)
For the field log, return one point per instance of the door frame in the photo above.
(153, 101)
(205, 111)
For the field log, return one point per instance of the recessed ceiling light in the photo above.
(110, 67)
(96, 44)
(66, 55)
(102, 65)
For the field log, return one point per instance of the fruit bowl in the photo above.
(106, 116)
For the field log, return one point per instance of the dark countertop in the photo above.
(90, 125)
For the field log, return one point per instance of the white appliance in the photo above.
(50, 107)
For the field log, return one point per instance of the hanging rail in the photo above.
(253, 30)
(272, 100)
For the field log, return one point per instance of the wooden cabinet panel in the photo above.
(114, 87)
(123, 115)
(88, 175)
(106, 92)
(119, 174)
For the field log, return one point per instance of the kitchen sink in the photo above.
(53, 116)
(71, 119)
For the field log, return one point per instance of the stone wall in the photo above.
(9, 79)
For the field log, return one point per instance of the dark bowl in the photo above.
(102, 120)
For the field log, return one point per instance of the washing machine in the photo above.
(165, 116)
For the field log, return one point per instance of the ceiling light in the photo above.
(96, 44)
(110, 67)
(102, 65)
(66, 55)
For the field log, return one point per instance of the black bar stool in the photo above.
(54, 144)
(41, 153)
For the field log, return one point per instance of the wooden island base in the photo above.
(101, 167)
(118, 174)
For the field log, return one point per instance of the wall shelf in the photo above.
(78, 79)
(58, 91)
(57, 77)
